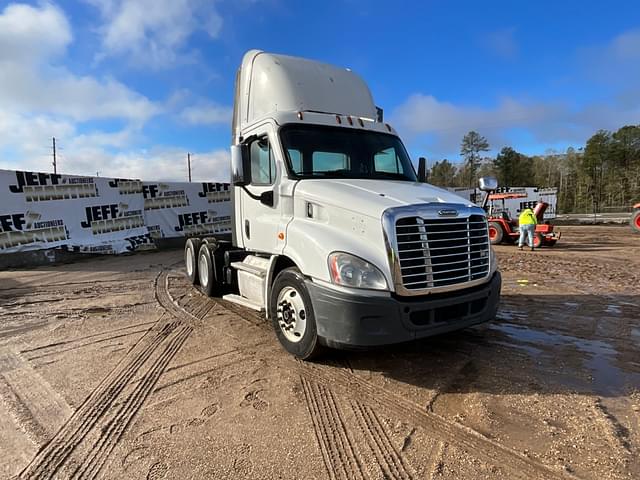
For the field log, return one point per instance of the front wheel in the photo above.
(292, 315)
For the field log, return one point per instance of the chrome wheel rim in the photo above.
(292, 314)
(202, 270)
(190, 261)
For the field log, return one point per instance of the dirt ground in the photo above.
(117, 368)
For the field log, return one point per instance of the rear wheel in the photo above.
(292, 315)
(635, 221)
(208, 284)
(537, 240)
(495, 233)
(191, 249)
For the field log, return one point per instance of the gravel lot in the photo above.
(117, 368)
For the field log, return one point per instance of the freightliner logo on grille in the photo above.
(448, 213)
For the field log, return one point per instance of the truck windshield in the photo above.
(315, 151)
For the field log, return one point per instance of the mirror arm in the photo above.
(252, 195)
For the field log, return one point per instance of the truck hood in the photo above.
(373, 197)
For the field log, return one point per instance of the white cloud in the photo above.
(154, 32)
(32, 42)
(206, 113)
(626, 46)
(55, 90)
(502, 43)
(29, 33)
(109, 153)
(615, 63)
(169, 163)
(441, 125)
(40, 99)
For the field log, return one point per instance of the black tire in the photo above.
(208, 284)
(191, 249)
(308, 345)
(538, 240)
(635, 221)
(495, 230)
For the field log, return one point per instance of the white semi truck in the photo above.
(334, 235)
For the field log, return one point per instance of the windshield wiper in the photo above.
(391, 175)
(342, 172)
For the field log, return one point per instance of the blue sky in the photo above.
(128, 87)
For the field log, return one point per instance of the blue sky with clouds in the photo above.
(129, 86)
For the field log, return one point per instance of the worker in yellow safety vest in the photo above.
(527, 223)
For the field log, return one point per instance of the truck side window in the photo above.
(327, 161)
(296, 159)
(387, 161)
(263, 165)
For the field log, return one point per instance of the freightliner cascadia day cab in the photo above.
(334, 236)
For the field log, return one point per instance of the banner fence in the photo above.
(105, 215)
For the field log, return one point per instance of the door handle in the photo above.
(247, 229)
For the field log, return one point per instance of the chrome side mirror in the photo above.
(240, 167)
(488, 184)
(422, 170)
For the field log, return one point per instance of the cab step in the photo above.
(245, 302)
(256, 270)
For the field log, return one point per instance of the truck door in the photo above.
(261, 221)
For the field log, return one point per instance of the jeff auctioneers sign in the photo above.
(104, 215)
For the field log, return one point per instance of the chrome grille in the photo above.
(439, 252)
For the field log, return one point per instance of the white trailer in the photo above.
(335, 237)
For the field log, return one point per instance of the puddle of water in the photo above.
(613, 309)
(599, 359)
(509, 314)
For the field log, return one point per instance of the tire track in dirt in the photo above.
(36, 407)
(340, 458)
(435, 426)
(81, 448)
(78, 339)
(82, 345)
(438, 428)
(73, 435)
(117, 425)
(388, 458)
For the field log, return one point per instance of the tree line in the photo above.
(604, 175)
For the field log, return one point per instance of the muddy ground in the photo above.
(117, 368)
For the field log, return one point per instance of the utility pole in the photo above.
(189, 165)
(55, 166)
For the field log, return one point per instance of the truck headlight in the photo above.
(350, 271)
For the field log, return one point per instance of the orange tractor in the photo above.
(635, 218)
(502, 228)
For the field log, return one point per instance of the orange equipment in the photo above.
(634, 221)
(502, 228)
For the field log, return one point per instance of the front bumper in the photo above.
(346, 320)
